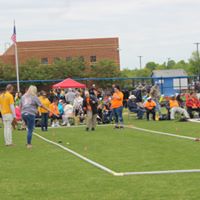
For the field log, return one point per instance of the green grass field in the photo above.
(47, 172)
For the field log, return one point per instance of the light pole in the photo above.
(197, 45)
(168, 59)
(140, 60)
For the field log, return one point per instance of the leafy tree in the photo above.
(103, 68)
(151, 66)
(195, 63)
(170, 64)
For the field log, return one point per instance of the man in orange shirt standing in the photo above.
(117, 106)
(8, 113)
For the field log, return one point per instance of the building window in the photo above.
(81, 58)
(44, 60)
(93, 58)
(68, 58)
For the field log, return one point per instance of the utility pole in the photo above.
(197, 45)
(140, 59)
(167, 65)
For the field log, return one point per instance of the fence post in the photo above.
(162, 91)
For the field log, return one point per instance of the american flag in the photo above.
(13, 37)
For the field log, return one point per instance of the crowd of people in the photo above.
(89, 106)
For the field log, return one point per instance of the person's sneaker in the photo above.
(116, 127)
(29, 146)
(87, 129)
(68, 125)
(93, 129)
(10, 145)
(57, 124)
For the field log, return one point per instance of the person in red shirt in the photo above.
(193, 104)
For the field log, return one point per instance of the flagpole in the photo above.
(14, 39)
(17, 67)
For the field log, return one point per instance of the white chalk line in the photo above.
(162, 172)
(77, 154)
(126, 173)
(161, 133)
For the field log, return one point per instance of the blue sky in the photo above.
(154, 29)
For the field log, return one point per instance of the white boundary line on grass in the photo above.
(126, 173)
(78, 155)
(162, 172)
(161, 133)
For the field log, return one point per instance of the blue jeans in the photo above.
(118, 115)
(44, 121)
(140, 112)
(30, 123)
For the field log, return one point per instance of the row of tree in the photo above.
(192, 67)
(60, 69)
(76, 68)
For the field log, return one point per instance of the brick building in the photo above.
(89, 50)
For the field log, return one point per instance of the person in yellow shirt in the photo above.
(8, 113)
(43, 112)
(117, 106)
(150, 106)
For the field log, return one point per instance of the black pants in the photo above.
(152, 112)
(44, 121)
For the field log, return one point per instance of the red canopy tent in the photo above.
(69, 83)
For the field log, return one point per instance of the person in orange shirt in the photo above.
(8, 113)
(117, 106)
(54, 110)
(175, 108)
(150, 106)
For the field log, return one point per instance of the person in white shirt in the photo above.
(78, 103)
(70, 96)
(68, 112)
